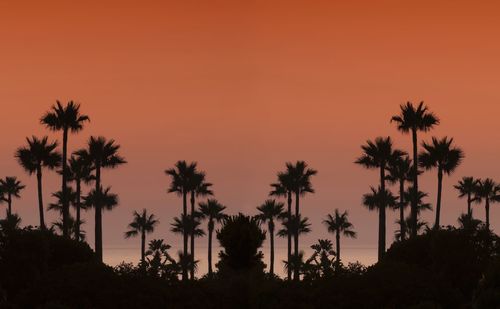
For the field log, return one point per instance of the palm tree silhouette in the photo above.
(213, 211)
(37, 155)
(184, 225)
(489, 191)
(72, 226)
(295, 226)
(339, 224)
(467, 186)
(66, 119)
(100, 153)
(180, 184)
(446, 158)
(379, 154)
(300, 177)
(413, 120)
(283, 188)
(467, 222)
(12, 188)
(143, 224)
(270, 211)
(79, 170)
(58, 204)
(399, 172)
(379, 199)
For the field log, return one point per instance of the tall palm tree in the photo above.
(413, 120)
(378, 155)
(12, 188)
(213, 212)
(446, 158)
(339, 224)
(270, 211)
(143, 224)
(66, 119)
(198, 188)
(38, 154)
(466, 187)
(180, 184)
(489, 191)
(100, 153)
(379, 199)
(79, 170)
(300, 177)
(283, 188)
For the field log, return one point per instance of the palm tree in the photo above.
(379, 199)
(37, 155)
(339, 224)
(467, 186)
(413, 120)
(180, 184)
(489, 191)
(468, 223)
(446, 158)
(300, 178)
(283, 188)
(100, 153)
(58, 204)
(143, 224)
(183, 226)
(79, 170)
(72, 226)
(66, 119)
(294, 226)
(379, 154)
(400, 172)
(213, 211)
(270, 211)
(12, 188)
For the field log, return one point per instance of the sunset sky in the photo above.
(241, 87)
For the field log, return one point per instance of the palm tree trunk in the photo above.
(438, 202)
(210, 231)
(185, 236)
(78, 207)
(271, 238)
(98, 215)
(337, 238)
(296, 275)
(402, 223)
(381, 218)
(65, 204)
(9, 203)
(143, 246)
(469, 202)
(40, 197)
(191, 270)
(414, 198)
(289, 257)
(487, 208)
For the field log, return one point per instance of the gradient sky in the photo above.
(243, 86)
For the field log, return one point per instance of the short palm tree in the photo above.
(11, 187)
(440, 154)
(339, 225)
(100, 153)
(38, 154)
(379, 199)
(143, 223)
(269, 212)
(296, 226)
(413, 120)
(183, 226)
(213, 212)
(466, 187)
(66, 119)
(379, 154)
(72, 227)
(468, 223)
(300, 177)
(489, 191)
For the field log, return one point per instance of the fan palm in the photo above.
(100, 153)
(270, 211)
(339, 224)
(379, 154)
(440, 154)
(143, 224)
(489, 191)
(38, 154)
(413, 120)
(66, 119)
(11, 187)
(213, 212)
(184, 225)
(466, 187)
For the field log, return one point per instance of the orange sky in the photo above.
(243, 86)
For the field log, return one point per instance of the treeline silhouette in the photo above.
(426, 266)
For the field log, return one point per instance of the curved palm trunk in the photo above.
(487, 208)
(271, 239)
(98, 215)
(185, 236)
(143, 246)
(40, 197)
(381, 218)
(78, 208)
(65, 202)
(296, 275)
(289, 257)
(210, 232)
(191, 270)
(438, 202)
(402, 225)
(414, 198)
(337, 238)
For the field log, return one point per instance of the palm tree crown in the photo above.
(489, 192)
(467, 187)
(11, 187)
(270, 211)
(143, 223)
